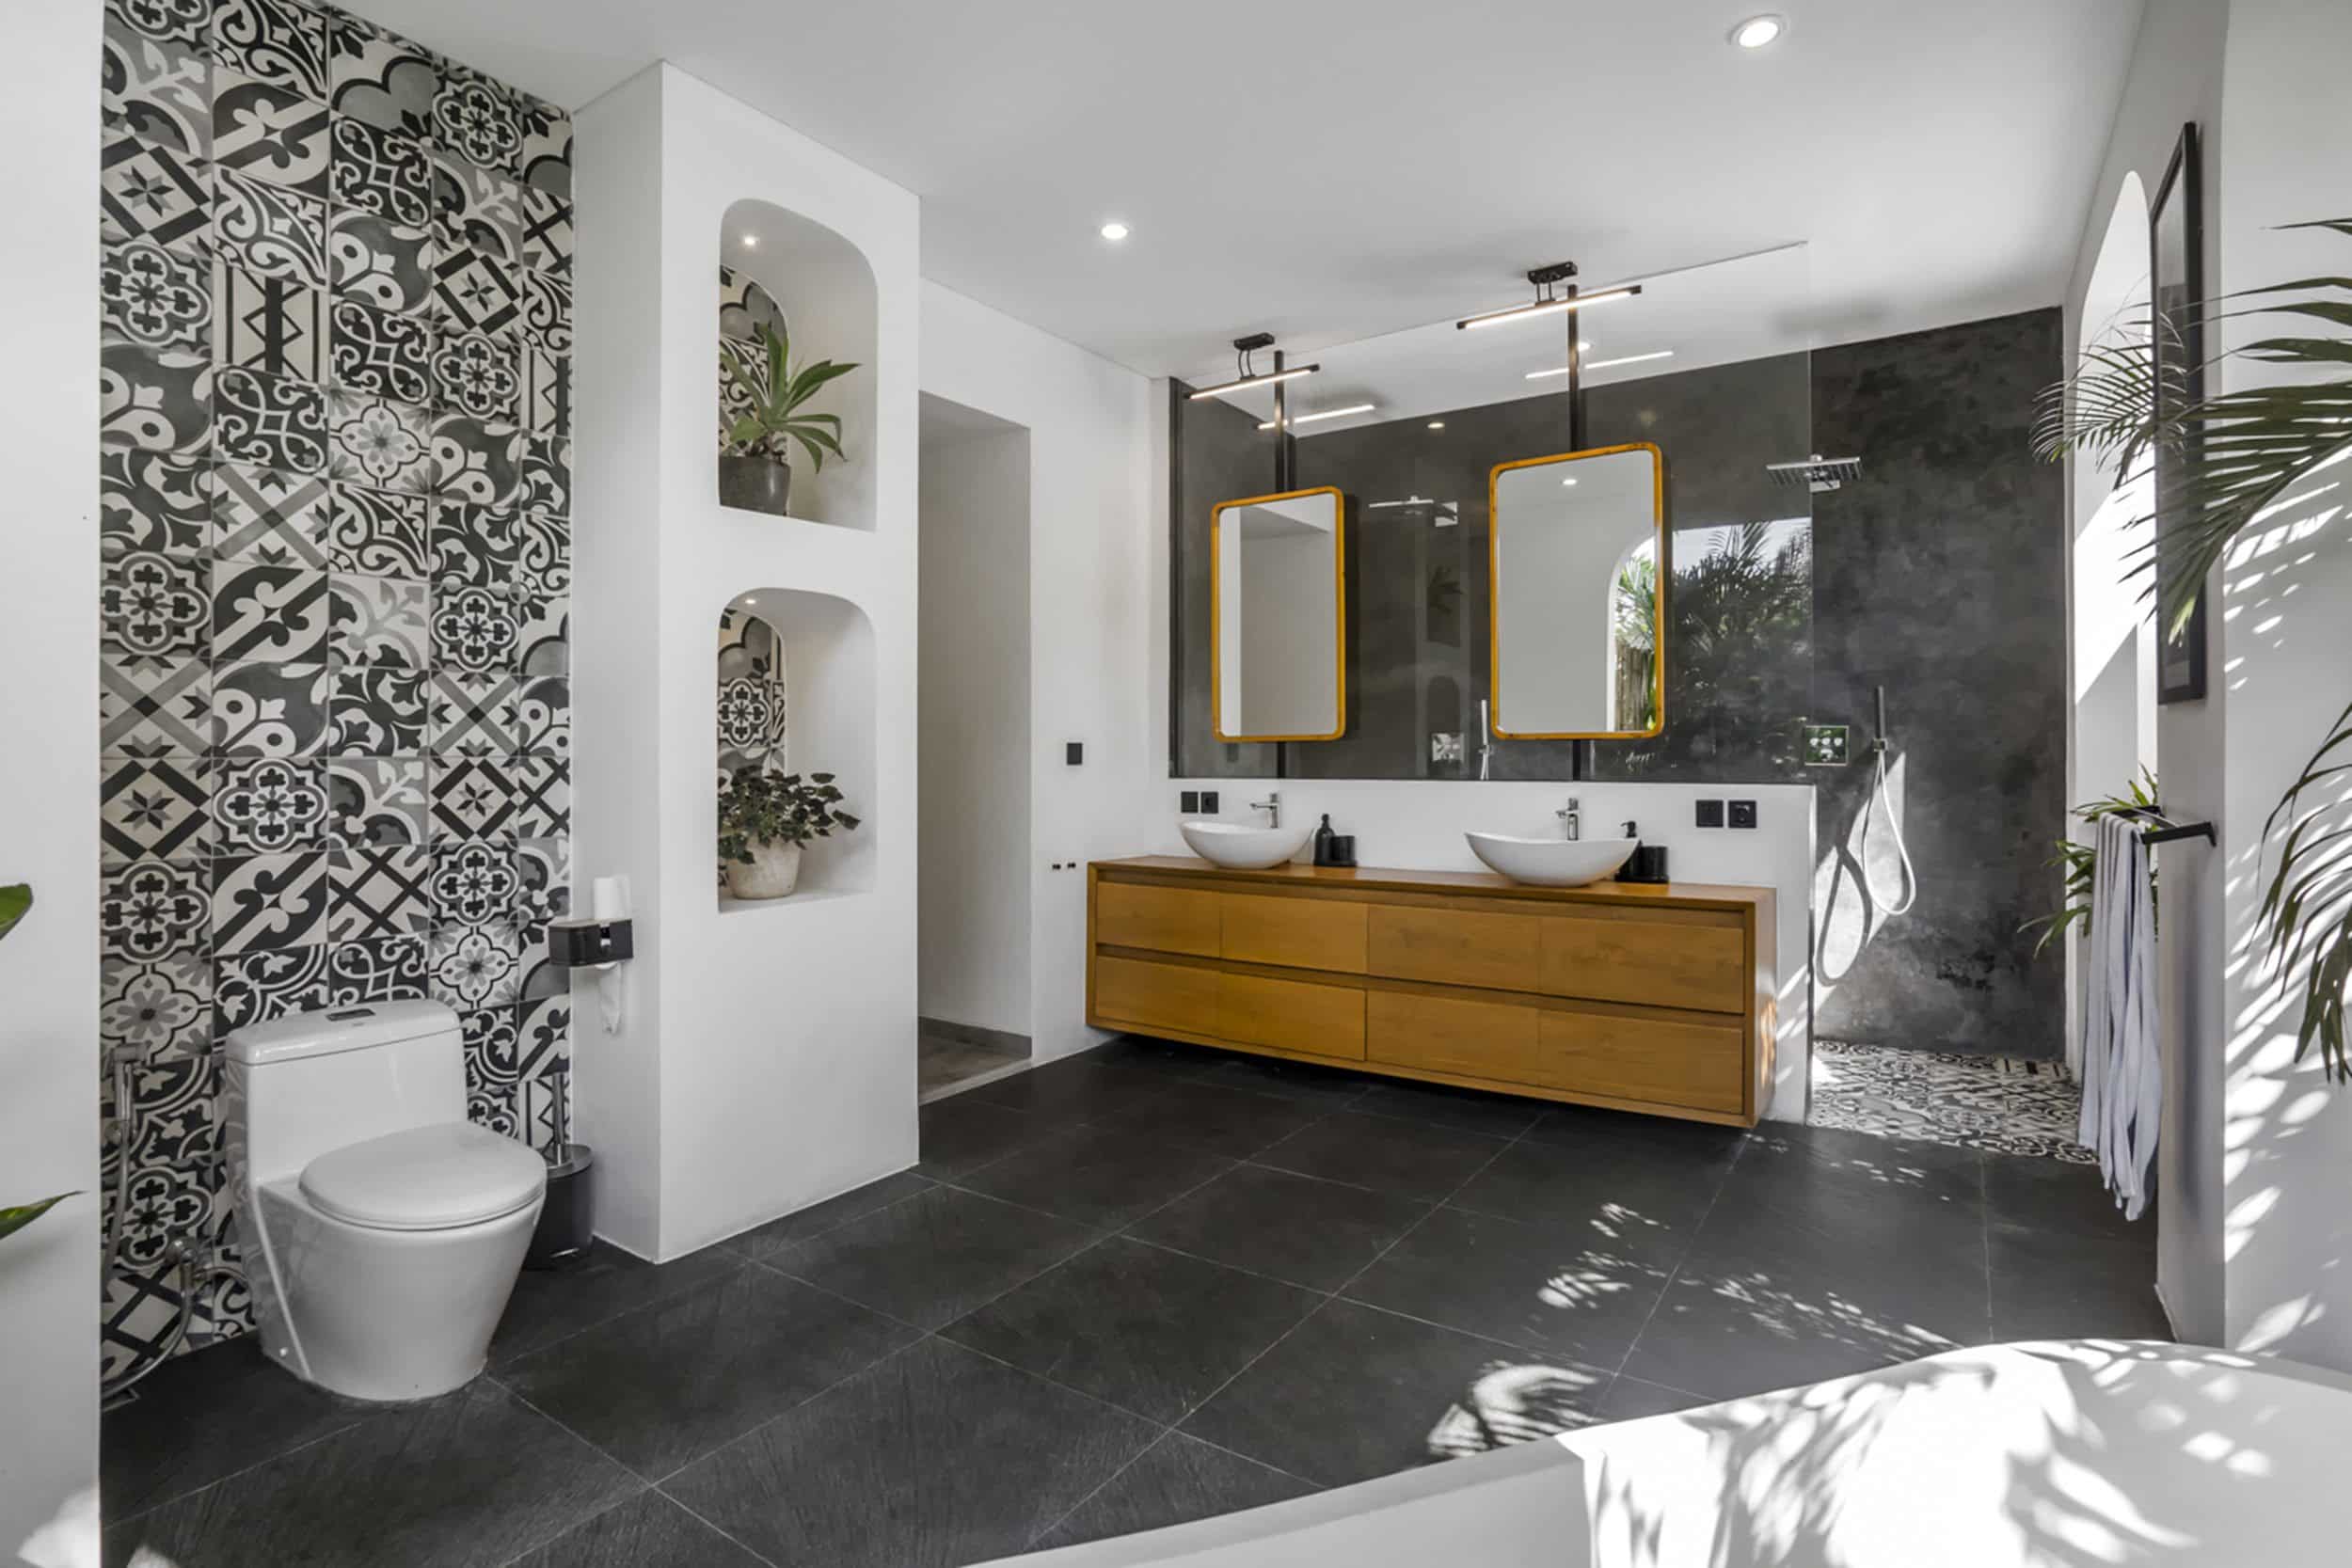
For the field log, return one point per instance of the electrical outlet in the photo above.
(1711, 814)
(1189, 801)
(1743, 814)
(1208, 802)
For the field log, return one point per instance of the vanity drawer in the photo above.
(1693, 963)
(1292, 1015)
(1440, 1033)
(1162, 996)
(1295, 933)
(1163, 919)
(1698, 1065)
(1454, 947)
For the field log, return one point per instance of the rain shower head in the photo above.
(1816, 473)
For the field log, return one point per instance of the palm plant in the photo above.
(15, 901)
(1635, 619)
(2238, 454)
(775, 390)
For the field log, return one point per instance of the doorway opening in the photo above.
(974, 748)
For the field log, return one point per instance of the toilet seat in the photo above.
(435, 1177)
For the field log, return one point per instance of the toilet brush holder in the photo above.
(567, 1220)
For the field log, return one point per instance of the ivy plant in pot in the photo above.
(764, 819)
(756, 458)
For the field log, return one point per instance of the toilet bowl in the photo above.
(381, 1231)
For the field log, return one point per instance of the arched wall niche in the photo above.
(815, 286)
(818, 651)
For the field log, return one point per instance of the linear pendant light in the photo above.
(1248, 381)
(1549, 307)
(1325, 414)
(1603, 364)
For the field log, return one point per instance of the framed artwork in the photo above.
(2175, 292)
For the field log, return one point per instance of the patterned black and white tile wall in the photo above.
(336, 283)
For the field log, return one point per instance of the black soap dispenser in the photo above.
(1324, 837)
(1647, 864)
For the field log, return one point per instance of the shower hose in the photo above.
(1881, 797)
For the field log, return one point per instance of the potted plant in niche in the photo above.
(764, 821)
(756, 458)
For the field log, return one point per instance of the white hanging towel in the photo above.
(2122, 1079)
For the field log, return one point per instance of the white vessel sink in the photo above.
(1242, 848)
(1551, 862)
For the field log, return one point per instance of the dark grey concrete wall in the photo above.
(1941, 575)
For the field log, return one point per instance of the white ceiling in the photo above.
(1330, 171)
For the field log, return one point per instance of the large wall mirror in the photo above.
(1578, 594)
(1279, 616)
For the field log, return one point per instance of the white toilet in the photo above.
(381, 1230)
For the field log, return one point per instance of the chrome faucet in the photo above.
(1573, 818)
(1272, 806)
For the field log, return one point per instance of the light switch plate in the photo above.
(1711, 814)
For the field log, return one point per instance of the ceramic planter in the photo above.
(755, 484)
(774, 871)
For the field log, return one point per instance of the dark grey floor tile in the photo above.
(2054, 1195)
(1578, 1124)
(1151, 1331)
(1073, 1089)
(2050, 1285)
(936, 1456)
(667, 1384)
(818, 1218)
(171, 1440)
(1622, 1186)
(1581, 1288)
(1355, 1392)
(1325, 1086)
(469, 1481)
(647, 1531)
(964, 1133)
(934, 1257)
(1833, 1179)
(1501, 1115)
(1629, 1399)
(550, 1304)
(1098, 1176)
(1232, 1122)
(1315, 1233)
(1756, 1307)
(1387, 1155)
(1177, 1479)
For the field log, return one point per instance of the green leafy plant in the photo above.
(2236, 454)
(16, 900)
(758, 808)
(777, 391)
(2080, 863)
(1738, 620)
(1636, 630)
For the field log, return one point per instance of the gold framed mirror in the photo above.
(1278, 616)
(1576, 563)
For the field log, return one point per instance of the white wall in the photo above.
(2286, 660)
(48, 831)
(2176, 75)
(974, 940)
(1093, 539)
(768, 1058)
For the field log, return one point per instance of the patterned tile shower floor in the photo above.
(1988, 1102)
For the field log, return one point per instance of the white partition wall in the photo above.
(766, 1059)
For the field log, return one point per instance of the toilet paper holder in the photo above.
(586, 941)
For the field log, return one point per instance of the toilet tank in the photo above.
(314, 1082)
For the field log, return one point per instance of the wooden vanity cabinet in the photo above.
(1642, 998)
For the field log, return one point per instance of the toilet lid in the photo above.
(425, 1178)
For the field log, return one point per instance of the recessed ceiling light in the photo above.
(1114, 230)
(1437, 425)
(751, 242)
(1568, 481)
(1758, 31)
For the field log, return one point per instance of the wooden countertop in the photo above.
(1483, 884)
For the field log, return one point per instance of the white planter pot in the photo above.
(775, 869)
